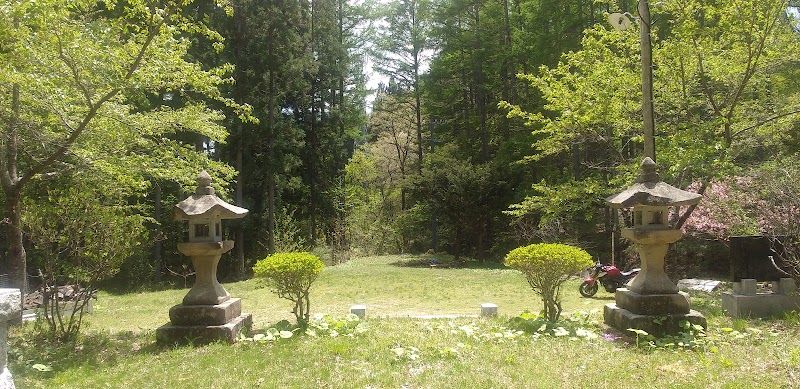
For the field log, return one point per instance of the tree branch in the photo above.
(95, 107)
(761, 123)
(691, 208)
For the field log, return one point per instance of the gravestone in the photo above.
(750, 258)
(750, 264)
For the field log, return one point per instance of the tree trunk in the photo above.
(239, 36)
(157, 260)
(271, 167)
(240, 262)
(12, 189)
(17, 257)
(507, 75)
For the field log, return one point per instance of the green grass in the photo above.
(119, 349)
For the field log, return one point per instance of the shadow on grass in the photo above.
(607, 297)
(33, 354)
(447, 262)
(116, 288)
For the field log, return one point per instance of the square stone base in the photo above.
(170, 334)
(652, 304)
(206, 315)
(759, 304)
(656, 325)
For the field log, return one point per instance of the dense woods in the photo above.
(497, 124)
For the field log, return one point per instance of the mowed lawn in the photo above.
(422, 331)
(390, 286)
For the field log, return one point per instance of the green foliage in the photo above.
(465, 198)
(107, 88)
(695, 337)
(328, 326)
(546, 266)
(80, 239)
(288, 233)
(320, 326)
(721, 96)
(290, 276)
(577, 325)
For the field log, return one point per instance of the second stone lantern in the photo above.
(651, 302)
(208, 313)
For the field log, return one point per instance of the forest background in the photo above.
(502, 123)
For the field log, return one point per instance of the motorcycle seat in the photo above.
(629, 272)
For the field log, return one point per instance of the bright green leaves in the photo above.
(290, 276)
(546, 266)
(594, 92)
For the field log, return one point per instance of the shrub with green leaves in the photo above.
(546, 266)
(290, 276)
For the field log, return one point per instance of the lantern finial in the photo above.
(204, 184)
(649, 173)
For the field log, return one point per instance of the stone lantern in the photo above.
(208, 313)
(651, 302)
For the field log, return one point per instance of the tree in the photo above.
(401, 53)
(546, 266)
(393, 125)
(715, 72)
(722, 94)
(290, 276)
(80, 239)
(464, 197)
(75, 80)
(299, 63)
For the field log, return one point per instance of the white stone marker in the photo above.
(359, 310)
(10, 312)
(488, 309)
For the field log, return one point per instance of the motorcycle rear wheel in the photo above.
(587, 289)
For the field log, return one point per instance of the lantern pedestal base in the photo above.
(203, 324)
(205, 258)
(652, 304)
(657, 314)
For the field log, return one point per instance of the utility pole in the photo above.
(621, 22)
(647, 81)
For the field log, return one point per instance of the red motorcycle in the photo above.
(609, 276)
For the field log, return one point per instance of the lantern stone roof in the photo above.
(650, 190)
(205, 204)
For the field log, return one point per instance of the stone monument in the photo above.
(651, 302)
(10, 312)
(208, 313)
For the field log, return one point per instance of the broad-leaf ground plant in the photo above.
(546, 266)
(290, 276)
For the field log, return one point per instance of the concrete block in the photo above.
(746, 287)
(698, 284)
(784, 286)
(359, 310)
(759, 305)
(10, 312)
(488, 309)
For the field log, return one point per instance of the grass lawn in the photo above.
(397, 348)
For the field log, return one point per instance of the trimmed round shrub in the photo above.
(290, 276)
(546, 266)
